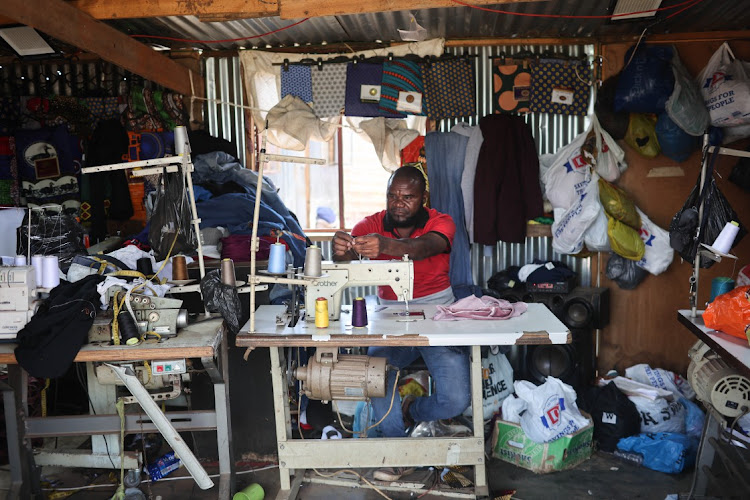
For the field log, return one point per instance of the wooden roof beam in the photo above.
(61, 20)
(296, 9)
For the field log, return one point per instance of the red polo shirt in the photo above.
(430, 274)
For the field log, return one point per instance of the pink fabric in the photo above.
(473, 307)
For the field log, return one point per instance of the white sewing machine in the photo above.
(17, 294)
(398, 274)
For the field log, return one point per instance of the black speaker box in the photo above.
(584, 307)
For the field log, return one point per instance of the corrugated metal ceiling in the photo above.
(449, 23)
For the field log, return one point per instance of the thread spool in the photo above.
(20, 260)
(359, 313)
(313, 263)
(144, 266)
(50, 271)
(227, 272)
(127, 328)
(180, 140)
(36, 261)
(721, 285)
(277, 259)
(321, 312)
(726, 237)
(179, 268)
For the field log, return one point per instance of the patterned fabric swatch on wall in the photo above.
(511, 88)
(297, 81)
(328, 90)
(10, 114)
(400, 75)
(368, 75)
(561, 87)
(448, 89)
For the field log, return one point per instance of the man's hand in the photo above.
(370, 245)
(342, 245)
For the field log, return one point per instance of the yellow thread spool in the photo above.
(321, 312)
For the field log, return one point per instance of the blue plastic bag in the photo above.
(694, 419)
(647, 81)
(675, 142)
(668, 452)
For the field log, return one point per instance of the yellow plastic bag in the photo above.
(625, 240)
(641, 134)
(617, 204)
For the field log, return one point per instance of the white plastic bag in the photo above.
(660, 415)
(725, 88)
(551, 410)
(596, 237)
(567, 175)
(497, 383)
(685, 106)
(659, 253)
(512, 408)
(610, 160)
(659, 377)
(570, 225)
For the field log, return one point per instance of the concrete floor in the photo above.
(601, 477)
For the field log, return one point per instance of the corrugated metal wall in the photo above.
(550, 132)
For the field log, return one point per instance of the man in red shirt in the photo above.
(426, 235)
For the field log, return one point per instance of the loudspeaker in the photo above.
(582, 310)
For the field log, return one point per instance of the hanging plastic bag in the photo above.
(658, 254)
(566, 175)
(618, 204)
(170, 227)
(625, 240)
(603, 153)
(675, 143)
(730, 313)
(570, 225)
(726, 89)
(662, 451)
(497, 383)
(596, 238)
(625, 272)
(551, 410)
(647, 80)
(641, 135)
(685, 106)
(616, 123)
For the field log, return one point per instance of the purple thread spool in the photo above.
(359, 313)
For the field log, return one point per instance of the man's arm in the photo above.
(422, 247)
(342, 247)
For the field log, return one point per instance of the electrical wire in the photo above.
(228, 40)
(686, 4)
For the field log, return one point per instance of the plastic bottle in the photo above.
(163, 466)
(633, 458)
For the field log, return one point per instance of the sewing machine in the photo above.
(17, 299)
(398, 274)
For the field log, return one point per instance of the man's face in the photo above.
(404, 199)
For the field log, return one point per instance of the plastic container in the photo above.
(252, 492)
(163, 466)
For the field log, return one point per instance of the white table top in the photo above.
(733, 350)
(385, 327)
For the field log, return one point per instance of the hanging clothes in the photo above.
(470, 170)
(506, 187)
(445, 155)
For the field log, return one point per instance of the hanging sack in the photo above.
(685, 106)
(565, 174)
(170, 231)
(674, 142)
(641, 135)
(603, 153)
(614, 122)
(625, 272)
(560, 86)
(658, 253)
(726, 89)
(730, 312)
(618, 204)
(497, 383)
(625, 240)
(646, 81)
(596, 238)
(570, 225)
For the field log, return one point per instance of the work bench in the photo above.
(386, 328)
(204, 339)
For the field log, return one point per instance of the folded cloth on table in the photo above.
(473, 307)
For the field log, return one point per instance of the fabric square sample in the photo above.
(448, 89)
(399, 75)
(511, 88)
(328, 90)
(364, 74)
(296, 80)
(560, 87)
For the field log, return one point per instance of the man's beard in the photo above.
(408, 222)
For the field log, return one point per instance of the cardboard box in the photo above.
(510, 443)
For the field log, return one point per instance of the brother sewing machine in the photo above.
(17, 299)
(398, 274)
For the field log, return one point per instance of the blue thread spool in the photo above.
(359, 313)
(720, 285)
(277, 259)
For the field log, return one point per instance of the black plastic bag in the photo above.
(740, 174)
(615, 416)
(170, 221)
(625, 272)
(52, 233)
(505, 279)
(223, 299)
(616, 123)
(716, 213)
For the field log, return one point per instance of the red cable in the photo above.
(686, 3)
(684, 8)
(220, 41)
